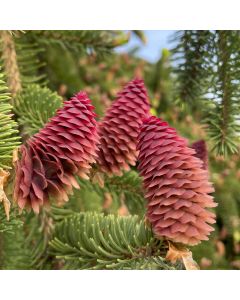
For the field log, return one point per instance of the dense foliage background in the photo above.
(194, 87)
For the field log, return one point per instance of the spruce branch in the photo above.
(35, 105)
(24, 239)
(190, 69)
(30, 60)
(87, 41)
(15, 257)
(9, 58)
(207, 74)
(10, 225)
(94, 241)
(14, 253)
(223, 115)
(21, 59)
(8, 128)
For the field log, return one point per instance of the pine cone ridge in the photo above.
(176, 186)
(201, 152)
(120, 127)
(51, 159)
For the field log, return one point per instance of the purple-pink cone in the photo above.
(176, 186)
(201, 152)
(120, 128)
(51, 159)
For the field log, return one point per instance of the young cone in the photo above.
(176, 185)
(120, 127)
(201, 152)
(65, 147)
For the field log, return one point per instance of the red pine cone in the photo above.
(120, 127)
(201, 152)
(65, 147)
(176, 185)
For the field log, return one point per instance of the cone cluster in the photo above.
(175, 176)
(120, 127)
(176, 186)
(65, 147)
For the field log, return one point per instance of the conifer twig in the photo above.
(10, 62)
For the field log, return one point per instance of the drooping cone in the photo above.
(120, 127)
(201, 152)
(65, 147)
(176, 185)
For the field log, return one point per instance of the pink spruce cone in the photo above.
(176, 185)
(201, 152)
(120, 127)
(65, 147)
